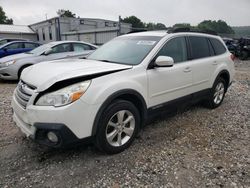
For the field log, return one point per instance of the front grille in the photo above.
(23, 93)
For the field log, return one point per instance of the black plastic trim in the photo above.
(178, 104)
(65, 135)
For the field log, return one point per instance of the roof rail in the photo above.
(187, 29)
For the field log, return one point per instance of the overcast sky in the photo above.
(169, 12)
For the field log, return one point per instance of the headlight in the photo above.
(7, 63)
(64, 96)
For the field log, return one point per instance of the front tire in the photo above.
(118, 126)
(217, 94)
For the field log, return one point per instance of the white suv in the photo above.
(109, 96)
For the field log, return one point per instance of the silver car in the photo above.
(12, 66)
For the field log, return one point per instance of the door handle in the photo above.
(215, 63)
(187, 69)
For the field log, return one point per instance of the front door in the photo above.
(168, 83)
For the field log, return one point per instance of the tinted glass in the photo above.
(77, 47)
(30, 45)
(218, 46)
(200, 48)
(14, 46)
(175, 48)
(61, 48)
(129, 50)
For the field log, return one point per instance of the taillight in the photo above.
(232, 56)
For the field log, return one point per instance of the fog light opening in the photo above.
(52, 137)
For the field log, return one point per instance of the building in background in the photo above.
(17, 31)
(95, 31)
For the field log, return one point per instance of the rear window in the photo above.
(219, 48)
(199, 46)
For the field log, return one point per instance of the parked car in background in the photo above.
(12, 66)
(244, 48)
(6, 40)
(109, 96)
(232, 45)
(17, 47)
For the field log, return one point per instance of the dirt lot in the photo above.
(196, 148)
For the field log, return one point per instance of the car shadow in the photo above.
(8, 81)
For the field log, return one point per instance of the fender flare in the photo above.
(117, 95)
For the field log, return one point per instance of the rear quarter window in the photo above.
(219, 48)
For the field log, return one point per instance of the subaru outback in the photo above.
(109, 95)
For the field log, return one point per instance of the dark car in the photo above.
(244, 48)
(6, 40)
(232, 45)
(17, 47)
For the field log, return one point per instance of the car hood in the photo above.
(16, 57)
(44, 75)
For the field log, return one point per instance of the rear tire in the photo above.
(118, 126)
(217, 94)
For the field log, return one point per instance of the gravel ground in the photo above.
(196, 148)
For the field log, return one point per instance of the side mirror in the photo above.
(164, 61)
(5, 49)
(47, 52)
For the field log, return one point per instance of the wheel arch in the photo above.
(225, 75)
(127, 94)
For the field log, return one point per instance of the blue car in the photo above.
(16, 47)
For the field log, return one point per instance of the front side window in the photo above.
(14, 46)
(199, 46)
(61, 48)
(175, 48)
(130, 50)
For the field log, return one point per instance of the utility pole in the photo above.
(119, 25)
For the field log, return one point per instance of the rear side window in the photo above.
(30, 45)
(219, 48)
(199, 46)
(175, 48)
(14, 46)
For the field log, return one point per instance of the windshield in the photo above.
(39, 50)
(129, 50)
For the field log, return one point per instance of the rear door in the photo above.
(202, 63)
(168, 83)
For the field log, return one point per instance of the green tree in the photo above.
(160, 26)
(136, 22)
(219, 26)
(3, 18)
(153, 26)
(65, 13)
